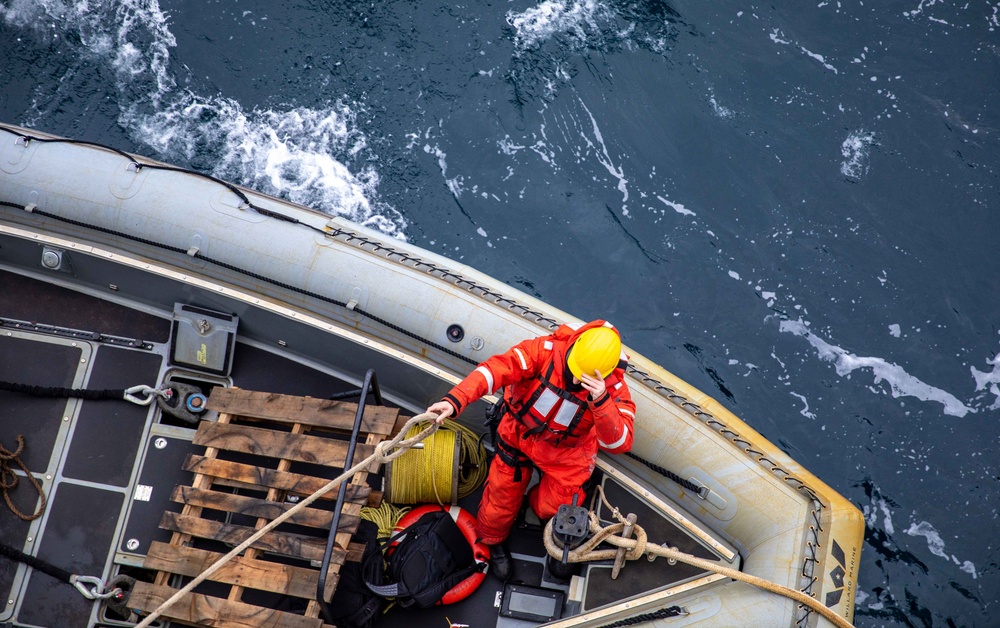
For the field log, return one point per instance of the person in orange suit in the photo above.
(565, 398)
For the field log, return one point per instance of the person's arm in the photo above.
(517, 363)
(614, 413)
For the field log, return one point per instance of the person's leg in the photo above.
(563, 471)
(501, 500)
(550, 493)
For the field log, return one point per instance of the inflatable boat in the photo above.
(184, 360)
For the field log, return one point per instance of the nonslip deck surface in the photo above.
(78, 455)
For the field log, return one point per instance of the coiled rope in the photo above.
(8, 479)
(425, 475)
(386, 516)
(384, 452)
(638, 547)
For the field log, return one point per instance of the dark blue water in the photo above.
(793, 206)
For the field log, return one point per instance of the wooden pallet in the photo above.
(264, 448)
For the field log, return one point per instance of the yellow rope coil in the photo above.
(386, 516)
(425, 475)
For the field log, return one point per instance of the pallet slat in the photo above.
(270, 478)
(203, 610)
(264, 442)
(304, 410)
(256, 507)
(241, 571)
(285, 543)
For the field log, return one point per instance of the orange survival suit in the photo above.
(547, 422)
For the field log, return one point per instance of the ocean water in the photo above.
(794, 206)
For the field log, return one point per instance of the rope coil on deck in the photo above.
(425, 475)
(638, 547)
(384, 452)
(8, 480)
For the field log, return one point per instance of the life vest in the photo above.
(548, 408)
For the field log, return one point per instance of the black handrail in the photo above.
(370, 385)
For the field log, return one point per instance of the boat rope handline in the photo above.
(384, 452)
(117, 394)
(9, 479)
(90, 587)
(638, 547)
(349, 236)
(662, 613)
(689, 485)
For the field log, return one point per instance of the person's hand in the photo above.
(594, 383)
(443, 409)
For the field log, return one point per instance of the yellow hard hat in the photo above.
(598, 349)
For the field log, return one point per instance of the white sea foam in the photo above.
(455, 184)
(778, 37)
(871, 514)
(805, 403)
(601, 152)
(855, 150)
(541, 22)
(723, 112)
(989, 381)
(894, 330)
(284, 153)
(936, 545)
(297, 154)
(901, 383)
(677, 207)
(819, 58)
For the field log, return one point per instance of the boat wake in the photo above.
(313, 156)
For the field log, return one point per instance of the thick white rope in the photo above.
(384, 452)
(638, 547)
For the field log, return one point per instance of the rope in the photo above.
(253, 275)
(386, 516)
(689, 485)
(425, 475)
(64, 393)
(36, 563)
(8, 479)
(96, 591)
(638, 547)
(473, 467)
(663, 613)
(384, 452)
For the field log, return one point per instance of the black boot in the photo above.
(501, 562)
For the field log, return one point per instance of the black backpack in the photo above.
(353, 605)
(431, 557)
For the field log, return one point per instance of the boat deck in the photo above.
(110, 470)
